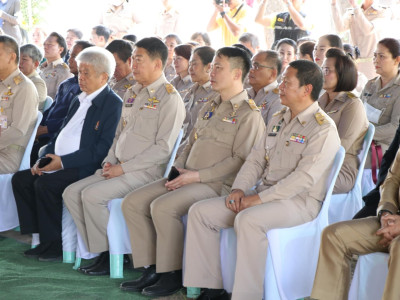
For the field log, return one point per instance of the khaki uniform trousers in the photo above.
(338, 243)
(153, 215)
(207, 218)
(87, 201)
(10, 159)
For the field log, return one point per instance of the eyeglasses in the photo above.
(326, 71)
(256, 66)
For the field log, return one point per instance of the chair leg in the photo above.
(116, 266)
(69, 257)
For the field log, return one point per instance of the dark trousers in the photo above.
(39, 143)
(39, 201)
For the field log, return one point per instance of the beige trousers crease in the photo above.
(153, 215)
(10, 160)
(207, 218)
(338, 243)
(87, 201)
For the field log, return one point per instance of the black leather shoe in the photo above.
(39, 249)
(168, 284)
(148, 278)
(213, 294)
(53, 253)
(99, 260)
(100, 269)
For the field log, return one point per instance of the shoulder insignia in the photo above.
(320, 118)
(65, 65)
(170, 88)
(275, 91)
(252, 105)
(18, 79)
(282, 111)
(127, 86)
(351, 95)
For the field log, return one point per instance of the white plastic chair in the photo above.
(344, 206)
(47, 103)
(369, 277)
(8, 212)
(292, 253)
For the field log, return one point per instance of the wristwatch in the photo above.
(381, 212)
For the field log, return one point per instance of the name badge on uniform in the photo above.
(385, 96)
(202, 100)
(297, 138)
(231, 120)
(5, 98)
(52, 74)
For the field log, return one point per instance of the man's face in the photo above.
(73, 67)
(261, 72)
(89, 79)
(6, 57)
(70, 39)
(289, 89)
(26, 64)
(97, 40)
(143, 66)
(122, 69)
(221, 75)
(52, 49)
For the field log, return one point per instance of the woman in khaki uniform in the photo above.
(340, 77)
(381, 95)
(182, 81)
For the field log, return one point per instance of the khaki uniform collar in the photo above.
(57, 62)
(271, 86)
(151, 88)
(305, 116)
(33, 74)
(10, 79)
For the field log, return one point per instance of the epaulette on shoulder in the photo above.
(351, 95)
(170, 88)
(65, 66)
(320, 118)
(17, 79)
(252, 105)
(275, 91)
(281, 112)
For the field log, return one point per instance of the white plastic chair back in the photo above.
(47, 103)
(344, 206)
(8, 212)
(293, 252)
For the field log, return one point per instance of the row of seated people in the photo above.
(144, 138)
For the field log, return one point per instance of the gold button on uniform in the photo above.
(287, 143)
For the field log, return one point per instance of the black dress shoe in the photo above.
(53, 253)
(100, 269)
(213, 294)
(99, 260)
(168, 284)
(39, 249)
(149, 277)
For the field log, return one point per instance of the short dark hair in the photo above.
(243, 47)
(309, 72)
(155, 48)
(173, 36)
(273, 58)
(103, 31)
(307, 48)
(11, 44)
(130, 37)
(184, 50)
(346, 70)
(238, 59)
(83, 44)
(122, 48)
(351, 50)
(205, 53)
(76, 32)
(32, 51)
(334, 40)
(60, 41)
(392, 45)
(287, 41)
(204, 36)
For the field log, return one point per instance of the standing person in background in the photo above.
(72, 36)
(171, 41)
(182, 81)
(231, 17)
(365, 23)
(290, 24)
(9, 13)
(168, 19)
(54, 70)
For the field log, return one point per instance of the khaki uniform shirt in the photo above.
(121, 20)
(182, 85)
(294, 157)
(40, 88)
(19, 103)
(150, 122)
(53, 74)
(169, 72)
(390, 188)
(365, 31)
(120, 87)
(168, 22)
(221, 139)
(384, 108)
(348, 113)
(267, 100)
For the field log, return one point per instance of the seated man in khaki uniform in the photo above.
(54, 70)
(18, 107)
(227, 128)
(265, 68)
(293, 161)
(123, 77)
(151, 119)
(363, 236)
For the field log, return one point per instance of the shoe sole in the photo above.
(32, 255)
(131, 289)
(50, 259)
(161, 295)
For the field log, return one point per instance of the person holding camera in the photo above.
(230, 16)
(227, 128)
